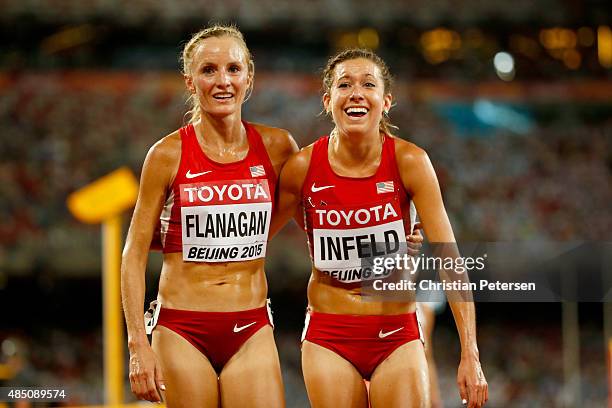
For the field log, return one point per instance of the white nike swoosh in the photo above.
(191, 175)
(383, 335)
(241, 328)
(315, 189)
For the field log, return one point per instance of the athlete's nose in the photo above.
(356, 94)
(223, 78)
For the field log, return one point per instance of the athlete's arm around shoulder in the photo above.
(290, 184)
(158, 172)
(421, 183)
(279, 144)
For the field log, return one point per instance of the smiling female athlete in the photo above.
(355, 187)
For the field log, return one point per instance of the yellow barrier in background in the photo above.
(113, 319)
(103, 201)
(134, 405)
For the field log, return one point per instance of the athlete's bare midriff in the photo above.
(326, 295)
(212, 287)
(336, 192)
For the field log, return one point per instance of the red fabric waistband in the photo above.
(208, 316)
(364, 320)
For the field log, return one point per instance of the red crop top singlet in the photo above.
(349, 219)
(219, 212)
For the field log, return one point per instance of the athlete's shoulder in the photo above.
(163, 159)
(270, 132)
(167, 149)
(301, 159)
(407, 154)
(278, 142)
(296, 169)
(273, 137)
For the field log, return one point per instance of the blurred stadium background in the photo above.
(512, 101)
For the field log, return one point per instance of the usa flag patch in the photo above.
(257, 171)
(384, 187)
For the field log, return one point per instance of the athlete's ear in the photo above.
(387, 103)
(251, 75)
(189, 83)
(326, 100)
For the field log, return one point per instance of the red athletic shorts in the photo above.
(217, 335)
(363, 340)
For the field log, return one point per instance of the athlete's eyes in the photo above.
(366, 85)
(208, 69)
(234, 68)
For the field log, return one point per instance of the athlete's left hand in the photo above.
(473, 386)
(415, 240)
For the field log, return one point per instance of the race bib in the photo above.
(343, 237)
(225, 220)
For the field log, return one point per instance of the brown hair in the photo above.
(217, 30)
(355, 53)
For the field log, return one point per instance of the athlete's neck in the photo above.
(221, 133)
(356, 149)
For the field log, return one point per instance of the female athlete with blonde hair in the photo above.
(212, 184)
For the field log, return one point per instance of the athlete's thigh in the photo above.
(252, 377)
(331, 381)
(402, 379)
(190, 379)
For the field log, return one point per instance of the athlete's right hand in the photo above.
(415, 240)
(146, 377)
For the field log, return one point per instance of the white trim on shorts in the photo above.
(419, 318)
(151, 316)
(306, 324)
(269, 309)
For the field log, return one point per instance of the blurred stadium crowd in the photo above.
(86, 87)
(260, 12)
(548, 181)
